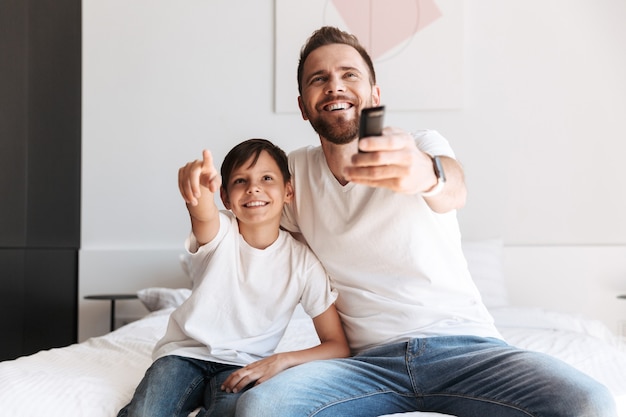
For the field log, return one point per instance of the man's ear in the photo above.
(375, 95)
(288, 192)
(302, 112)
(224, 197)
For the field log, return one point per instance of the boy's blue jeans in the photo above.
(460, 376)
(174, 386)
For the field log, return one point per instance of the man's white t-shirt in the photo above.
(397, 265)
(243, 297)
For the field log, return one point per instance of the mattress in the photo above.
(97, 377)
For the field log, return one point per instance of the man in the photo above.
(383, 223)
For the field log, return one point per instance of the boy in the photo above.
(248, 277)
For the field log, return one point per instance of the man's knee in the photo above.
(253, 403)
(597, 402)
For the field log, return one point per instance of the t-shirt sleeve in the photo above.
(197, 257)
(318, 294)
(433, 143)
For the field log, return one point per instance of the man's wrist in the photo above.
(441, 178)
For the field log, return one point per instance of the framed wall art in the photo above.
(416, 46)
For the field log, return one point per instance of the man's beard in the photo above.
(339, 131)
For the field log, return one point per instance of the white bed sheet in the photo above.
(97, 377)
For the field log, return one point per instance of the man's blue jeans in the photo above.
(174, 386)
(460, 376)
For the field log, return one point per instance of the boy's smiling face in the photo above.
(256, 194)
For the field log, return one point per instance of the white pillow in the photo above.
(484, 260)
(157, 298)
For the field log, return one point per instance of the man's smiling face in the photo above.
(336, 86)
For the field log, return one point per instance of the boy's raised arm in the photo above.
(198, 182)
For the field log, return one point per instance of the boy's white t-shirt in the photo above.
(397, 265)
(243, 297)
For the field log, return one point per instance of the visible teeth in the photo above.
(255, 204)
(337, 106)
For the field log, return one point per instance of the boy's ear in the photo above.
(288, 192)
(224, 197)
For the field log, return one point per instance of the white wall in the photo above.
(542, 133)
(582, 280)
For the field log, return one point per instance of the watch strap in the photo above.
(441, 178)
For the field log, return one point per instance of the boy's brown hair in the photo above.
(238, 156)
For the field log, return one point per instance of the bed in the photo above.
(98, 376)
